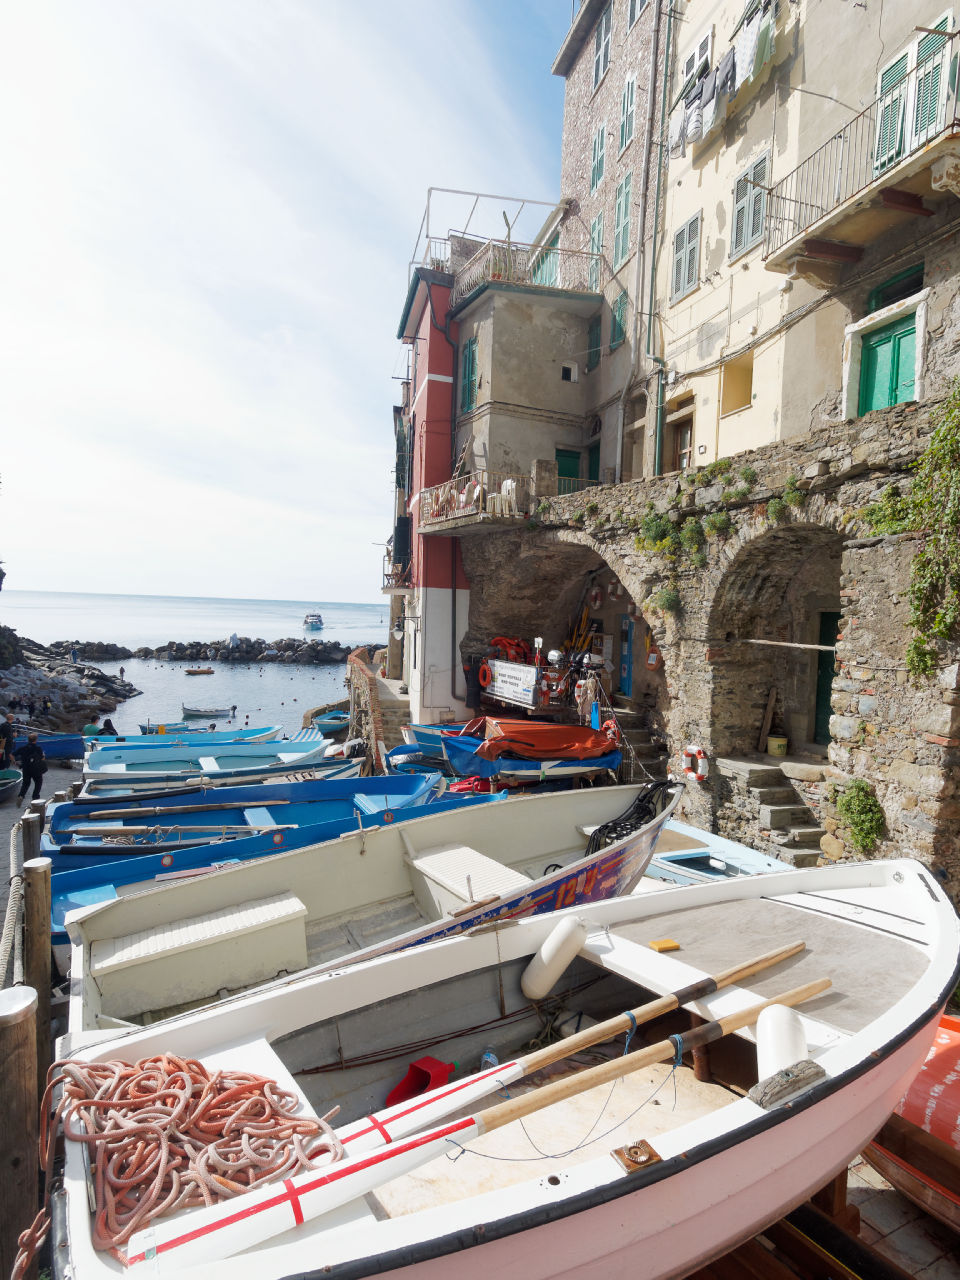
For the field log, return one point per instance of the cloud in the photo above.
(212, 208)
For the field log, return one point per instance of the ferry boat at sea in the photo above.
(313, 622)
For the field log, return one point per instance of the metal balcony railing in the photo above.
(481, 493)
(913, 111)
(572, 484)
(541, 266)
(396, 577)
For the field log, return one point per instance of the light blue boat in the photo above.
(146, 785)
(189, 737)
(427, 736)
(687, 855)
(332, 722)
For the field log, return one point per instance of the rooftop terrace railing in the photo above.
(917, 106)
(480, 493)
(540, 266)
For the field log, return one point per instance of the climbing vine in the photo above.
(860, 812)
(930, 507)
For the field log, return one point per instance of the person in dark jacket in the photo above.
(33, 765)
(6, 740)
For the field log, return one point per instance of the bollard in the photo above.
(18, 1118)
(39, 807)
(37, 954)
(32, 829)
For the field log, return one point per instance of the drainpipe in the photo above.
(454, 654)
(661, 164)
(642, 224)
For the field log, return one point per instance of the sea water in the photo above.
(272, 693)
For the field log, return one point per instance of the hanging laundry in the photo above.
(693, 129)
(708, 101)
(764, 44)
(746, 49)
(726, 73)
(676, 132)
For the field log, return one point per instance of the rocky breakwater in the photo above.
(241, 649)
(64, 694)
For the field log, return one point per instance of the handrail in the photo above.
(895, 126)
(479, 493)
(542, 266)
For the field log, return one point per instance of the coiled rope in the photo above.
(10, 946)
(166, 1134)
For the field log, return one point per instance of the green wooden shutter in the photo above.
(758, 199)
(741, 213)
(929, 80)
(627, 112)
(618, 323)
(887, 363)
(891, 109)
(693, 254)
(468, 376)
(679, 260)
(621, 231)
(599, 149)
(593, 343)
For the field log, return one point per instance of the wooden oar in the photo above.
(155, 811)
(157, 830)
(221, 1231)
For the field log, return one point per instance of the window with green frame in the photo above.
(546, 267)
(593, 343)
(596, 248)
(599, 150)
(618, 321)
(601, 45)
(468, 376)
(621, 222)
(627, 110)
(903, 285)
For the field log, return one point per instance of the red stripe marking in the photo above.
(294, 1202)
(336, 1174)
(460, 1085)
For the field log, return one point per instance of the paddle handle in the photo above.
(623, 1022)
(197, 830)
(157, 811)
(516, 1108)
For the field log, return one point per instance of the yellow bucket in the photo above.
(776, 746)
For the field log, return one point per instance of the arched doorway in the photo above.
(774, 621)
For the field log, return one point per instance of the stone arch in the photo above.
(782, 586)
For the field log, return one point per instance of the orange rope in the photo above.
(166, 1134)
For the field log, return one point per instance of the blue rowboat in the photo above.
(188, 737)
(134, 782)
(123, 758)
(56, 746)
(332, 722)
(83, 876)
(168, 726)
(687, 855)
(427, 736)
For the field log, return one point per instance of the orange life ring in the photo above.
(611, 729)
(484, 675)
(695, 764)
(596, 598)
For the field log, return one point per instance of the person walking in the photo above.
(6, 740)
(33, 766)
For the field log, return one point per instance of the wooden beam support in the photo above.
(18, 1119)
(832, 250)
(904, 202)
(37, 956)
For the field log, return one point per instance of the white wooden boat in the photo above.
(363, 894)
(146, 784)
(602, 1182)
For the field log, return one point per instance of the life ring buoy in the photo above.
(596, 598)
(695, 763)
(484, 675)
(611, 729)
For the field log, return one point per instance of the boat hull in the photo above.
(673, 1218)
(460, 753)
(10, 781)
(119, 784)
(58, 746)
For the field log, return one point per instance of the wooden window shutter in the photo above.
(679, 257)
(741, 200)
(693, 253)
(758, 199)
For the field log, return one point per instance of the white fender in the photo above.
(558, 949)
(781, 1040)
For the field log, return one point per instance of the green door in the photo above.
(887, 365)
(593, 464)
(829, 626)
(568, 470)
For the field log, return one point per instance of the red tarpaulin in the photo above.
(536, 739)
(933, 1100)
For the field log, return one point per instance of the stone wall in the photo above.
(765, 579)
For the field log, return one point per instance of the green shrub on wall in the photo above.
(860, 812)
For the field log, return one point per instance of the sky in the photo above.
(209, 207)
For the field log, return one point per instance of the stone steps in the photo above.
(780, 817)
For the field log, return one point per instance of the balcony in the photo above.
(478, 499)
(878, 171)
(396, 578)
(533, 266)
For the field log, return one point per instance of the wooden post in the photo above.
(39, 807)
(36, 953)
(18, 1118)
(32, 829)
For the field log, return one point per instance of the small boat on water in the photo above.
(332, 723)
(364, 894)
(528, 750)
(199, 671)
(687, 855)
(313, 622)
(809, 997)
(918, 1149)
(207, 713)
(10, 782)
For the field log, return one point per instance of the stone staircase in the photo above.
(641, 755)
(785, 821)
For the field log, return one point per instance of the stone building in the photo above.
(757, 242)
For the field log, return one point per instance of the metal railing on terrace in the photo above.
(913, 110)
(543, 266)
(480, 493)
(572, 484)
(396, 577)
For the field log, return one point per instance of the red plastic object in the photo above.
(426, 1073)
